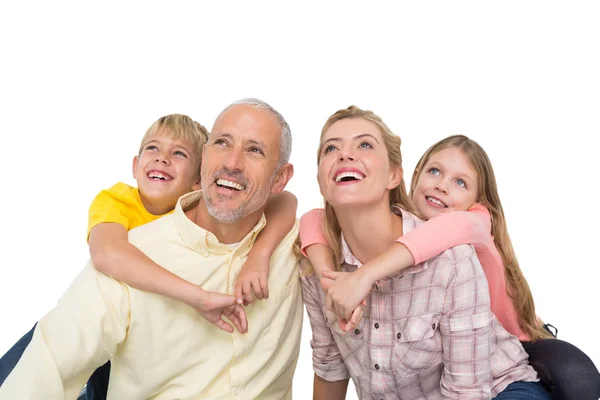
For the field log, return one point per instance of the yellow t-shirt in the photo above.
(120, 204)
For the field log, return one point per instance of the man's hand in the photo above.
(213, 306)
(252, 280)
(347, 292)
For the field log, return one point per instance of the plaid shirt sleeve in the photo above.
(466, 329)
(327, 359)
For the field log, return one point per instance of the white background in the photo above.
(80, 84)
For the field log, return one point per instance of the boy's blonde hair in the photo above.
(398, 195)
(516, 284)
(179, 127)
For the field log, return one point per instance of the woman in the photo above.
(427, 333)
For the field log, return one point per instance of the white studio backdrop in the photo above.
(81, 83)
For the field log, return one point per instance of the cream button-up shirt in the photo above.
(160, 348)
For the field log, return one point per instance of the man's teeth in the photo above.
(354, 175)
(229, 184)
(436, 201)
(158, 175)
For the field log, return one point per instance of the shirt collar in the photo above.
(200, 239)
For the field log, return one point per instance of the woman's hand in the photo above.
(347, 292)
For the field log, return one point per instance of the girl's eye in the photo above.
(151, 147)
(180, 153)
(461, 183)
(257, 150)
(329, 148)
(366, 145)
(434, 171)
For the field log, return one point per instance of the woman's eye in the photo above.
(329, 148)
(366, 145)
(434, 171)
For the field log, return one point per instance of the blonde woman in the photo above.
(427, 332)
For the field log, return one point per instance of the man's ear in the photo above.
(284, 175)
(134, 166)
(395, 178)
(196, 185)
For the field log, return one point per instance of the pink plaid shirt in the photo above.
(427, 333)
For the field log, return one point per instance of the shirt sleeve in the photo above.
(448, 230)
(311, 229)
(465, 327)
(327, 359)
(108, 207)
(79, 335)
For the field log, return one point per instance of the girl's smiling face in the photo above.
(447, 183)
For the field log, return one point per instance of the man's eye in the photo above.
(220, 142)
(257, 150)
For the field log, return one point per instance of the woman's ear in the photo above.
(396, 177)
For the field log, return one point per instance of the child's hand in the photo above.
(347, 292)
(357, 314)
(252, 280)
(213, 306)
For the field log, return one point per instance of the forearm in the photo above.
(388, 263)
(280, 214)
(126, 263)
(320, 257)
(325, 390)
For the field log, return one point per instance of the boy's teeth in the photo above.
(354, 175)
(158, 175)
(436, 201)
(229, 184)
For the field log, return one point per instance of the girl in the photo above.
(454, 182)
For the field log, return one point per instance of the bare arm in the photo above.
(325, 390)
(252, 280)
(113, 255)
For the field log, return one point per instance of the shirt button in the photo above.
(399, 335)
(356, 331)
(376, 325)
(433, 326)
(236, 391)
(376, 366)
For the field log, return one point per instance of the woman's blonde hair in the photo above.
(179, 127)
(398, 195)
(516, 284)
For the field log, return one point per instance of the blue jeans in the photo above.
(97, 385)
(523, 391)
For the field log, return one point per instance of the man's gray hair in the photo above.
(285, 144)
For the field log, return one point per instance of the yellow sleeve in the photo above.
(79, 335)
(111, 205)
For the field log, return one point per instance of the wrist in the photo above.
(367, 276)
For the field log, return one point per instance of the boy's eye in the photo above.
(366, 145)
(461, 183)
(180, 153)
(434, 171)
(256, 150)
(329, 148)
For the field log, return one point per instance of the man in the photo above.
(163, 349)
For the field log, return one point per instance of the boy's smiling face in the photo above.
(165, 170)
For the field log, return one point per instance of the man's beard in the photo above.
(247, 207)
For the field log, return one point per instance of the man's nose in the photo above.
(234, 159)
